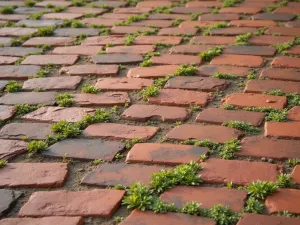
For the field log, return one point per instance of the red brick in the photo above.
(132, 10)
(219, 116)
(260, 86)
(90, 69)
(177, 31)
(180, 98)
(7, 60)
(284, 31)
(152, 4)
(153, 112)
(44, 220)
(53, 2)
(18, 72)
(153, 23)
(87, 10)
(282, 129)
(285, 62)
(189, 49)
(18, 51)
(250, 219)
(293, 24)
(101, 21)
(44, 60)
(253, 23)
(163, 16)
(98, 203)
(129, 29)
(220, 171)
(273, 16)
(283, 200)
(13, 17)
(113, 4)
(212, 40)
(258, 147)
(16, 31)
(238, 60)
(116, 58)
(296, 174)
(197, 83)
(294, 113)
(140, 49)
(295, 50)
(11, 148)
(51, 41)
(290, 10)
(151, 218)
(175, 59)
(63, 16)
(206, 196)
(152, 72)
(250, 50)
(56, 114)
(210, 70)
(113, 174)
(255, 100)
(281, 74)
(102, 99)
(241, 10)
(34, 175)
(197, 24)
(185, 10)
(104, 40)
(120, 131)
(164, 154)
(77, 50)
(219, 134)
(203, 4)
(219, 17)
(232, 31)
(116, 16)
(269, 40)
(149, 40)
(7, 112)
(123, 84)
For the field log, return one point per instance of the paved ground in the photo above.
(139, 86)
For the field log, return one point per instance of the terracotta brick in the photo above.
(114, 4)
(293, 24)
(101, 21)
(285, 62)
(5, 41)
(232, 31)
(75, 32)
(177, 31)
(53, 2)
(98, 203)
(90, 69)
(44, 220)
(8, 201)
(18, 51)
(7, 112)
(116, 58)
(210, 70)
(164, 16)
(85, 149)
(62, 16)
(203, 40)
(282, 129)
(151, 218)
(203, 4)
(253, 23)
(260, 86)
(238, 60)
(255, 100)
(129, 29)
(149, 40)
(294, 113)
(7, 60)
(181, 98)
(51, 41)
(12, 148)
(241, 10)
(289, 10)
(132, 10)
(44, 60)
(123, 84)
(102, 99)
(164, 154)
(153, 23)
(283, 200)
(219, 17)
(219, 134)
(16, 31)
(197, 24)
(31, 98)
(220, 171)
(258, 147)
(269, 40)
(77, 50)
(18, 72)
(251, 218)
(207, 196)
(175, 59)
(120, 131)
(140, 49)
(281, 74)
(189, 49)
(284, 31)
(113, 174)
(273, 16)
(39, 23)
(295, 50)
(104, 40)
(13, 17)
(250, 50)
(197, 83)
(185, 10)
(153, 112)
(296, 174)
(152, 4)
(116, 16)
(34, 175)
(152, 72)
(96, 11)
(219, 116)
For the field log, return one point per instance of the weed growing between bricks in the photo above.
(3, 163)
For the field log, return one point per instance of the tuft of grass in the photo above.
(176, 22)
(293, 162)
(57, 9)
(285, 181)
(203, 143)
(29, 3)
(231, 3)
(242, 39)
(45, 31)
(3, 163)
(195, 108)
(146, 63)
(65, 100)
(254, 206)
(36, 16)
(88, 88)
(211, 53)
(229, 148)
(251, 76)
(228, 106)
(130, 143)
(35, 147)
(192, 208)
(7, 10)
(186, 70)
(66, 129)
(23, 109)
(206, 31)
(100, 116)
(261, 189)
(195, 16)
(223, 215)
(226, 76)
(272, 7)
(97, 162)
(162, 9)
(13, 86)
(241, 126)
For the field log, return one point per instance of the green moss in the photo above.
(162, 9)
(35, 147)
(241, 126)
(7, 10)
(88, 88)
(226, 76)
(13, 86)
(3, 163)
(209, 54)
(65, 100)
(261, 189)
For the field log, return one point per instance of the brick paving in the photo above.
(168, 74)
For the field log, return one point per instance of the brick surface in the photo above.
(30, 98)
(77, 50)
(285, 62)
(101, 22)
(238, 60)
(232, 31)
(103, 99)
(52, 2)
(290, 10)
(152, 72)
(59, 220)
(71, 32)
(153, 23)
(51, 41)
(293, 24)
(295, 50)
(220, 171)
(282, 129)
(52, 83)
(116, 58)
(7, 112)
(296, 174)
(62, 16)
(50, 59)
(177, 31)
(122, 84)
(284, 31)
(165, 16)
(212, 40)
(99, 203)
(90, 69)
(39, 23)
(193, 24)
(132, 10)
(251, 218)
(11, 148)
(260, 86)
(164, 154)
(113, 174)
(210, 70)
(118, 30)
(18, 51)
(250, 50)
(103, 40)
(269, 40)
(8, 199)
(253, 23)
(33, 175)
(219, 17)
(294, 113)
(148, 40)
(189, 49)
(175, 59)
(185, 10)
(203, 4)
(281, 74)
(16, 31)
(8, 60)
(18, 72)
(241, 10)
(273, 16)
(152, 4)
(141, 49)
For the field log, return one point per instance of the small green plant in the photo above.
(241, 126)
(13, 86)
(79, 3)
(119, 187)
(271, 8)
(285, 213)
(146, 63)
(211, 53)
(36, 16)
(29, 3)
(215, 10)
(242, 39)
(100, 116)
(293, 162)
(285, 181)
(195, 16)
(226, 76)
(23, 109)
(45, 31)
(261, 189)
(131, 142)
(281, 48)
(231, 3)
(50, 6)
(3, 163)
(135, 18)
(88, 88)
(229, 148)
(195, 108)
(277, 115)
(206, 31)
(77, 24)
(254, 206)
(66, 129)
(57, 9)
(119, 156)
(7, 10)
(161, 45)
(25, 138)
(203, 143)
(65, 100)
(162, 9)
(118, 219)
(223, 215)
(186, 70)
(97, 162)
(228, 106)
(251, 76)
(191, 208)
(42, 73)
(35, 147)
(176, 22)
(202, 158)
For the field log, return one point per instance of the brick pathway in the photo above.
(97, 95)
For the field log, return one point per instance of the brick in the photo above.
(273, 16)
(241, 10)
(255, 100)
(113, 174)
(5, 41)
(296, 174)
(175, 97)
(295, 50)
(117, 16)
(175, 59)
(96, 11)
(33, 175)
(255, 86)
(269, 148)
(85, 149)
(39, 23)
(132, 10)
(44, 60)
(203, 40)
(56, 114)
(152, 4)
(232, 31)
(197, 24)
(285, 62)
(148, 40)
(129, 29)
(51, 41)
(220, 171)
(16, 31)
(219, 116)
(177, 31)
(101, 21)
(33, 131)
(164, 154)
(206, 196)
(238, 60)
(116, 58)
(71, 32)
(52, 83)
(185, 10)
(219, 17)
(90, 69)
(250, 50)
(204, 4)
(18, 51)
(77, 50)
(111, 3)
(173, 16)
(251, 218)
(55, 3)
(152, 72)
(219, 134)
(8, 200)
(30, 98)
(7, 60)
(197, 83)
(294, 113)
(282, 129)
(30, 10)
(12, 148)
(123, 84)
(98, 203)
(153, 23)
(281, 74)
(104, 40)
(59, 220)
(18, 72)
(284, 31)
(253, 23)
(210, 70)
(102, 99)
(13, 17)
(7, 112)
(269, 40)
(151, 218)
(144, 113)
(293, 24)
(189, 49)
(11, 3)
(140, 49)
(63, 16)
(289, 10)
(283, 200)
